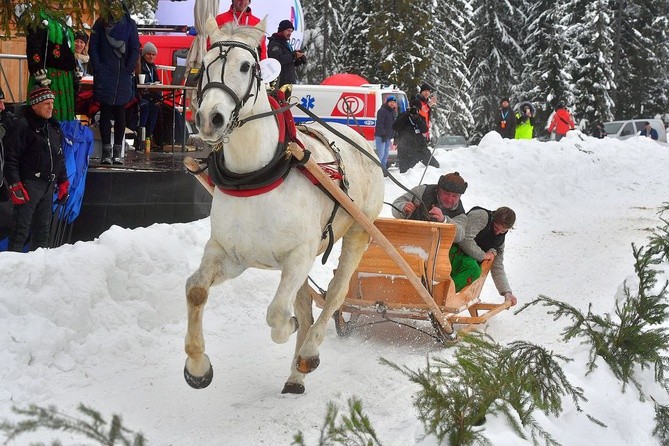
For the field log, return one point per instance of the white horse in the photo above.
(280, 229)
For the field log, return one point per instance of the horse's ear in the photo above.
(263, 24)
(210, 27)
(261, 28)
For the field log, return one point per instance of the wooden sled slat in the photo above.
(378, 285)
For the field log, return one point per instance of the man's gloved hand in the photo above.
(384, 139)
(63, 192)
(40, 77)
(18, 194)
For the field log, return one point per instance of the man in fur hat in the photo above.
(436, 202)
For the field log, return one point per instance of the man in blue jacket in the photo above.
(383, 131)
(649, 131)
(114, 52)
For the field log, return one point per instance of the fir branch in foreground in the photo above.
(661, 430)
(487, 378)
(636, 337)
(353, 430)
(660, 239)
(95, 428)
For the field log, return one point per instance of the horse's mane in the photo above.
(250, 35)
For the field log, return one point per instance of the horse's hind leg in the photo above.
(198, 371)
(353, 246)
(305, 318)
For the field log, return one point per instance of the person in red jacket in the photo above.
(240, 13)
(561, 123)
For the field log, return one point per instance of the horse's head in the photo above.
(230, 80)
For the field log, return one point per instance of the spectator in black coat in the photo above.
(411, 144)
(34, 165)
(279, 48)
(505, 123)
(383, 132)
(114, 51)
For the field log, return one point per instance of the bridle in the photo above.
(224, 48)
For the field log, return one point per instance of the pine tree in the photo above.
(399, 35)
(594, 75)
(641, 57)
(546, 77)
(494, 57)
(449, 72)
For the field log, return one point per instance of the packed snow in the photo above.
(103, 322)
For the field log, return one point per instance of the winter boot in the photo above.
(117, 154)
(106, 154)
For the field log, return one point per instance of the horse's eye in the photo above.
(245, 67)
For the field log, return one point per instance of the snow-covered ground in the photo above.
(102, 323)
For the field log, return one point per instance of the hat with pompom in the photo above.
(40, 94)
(453, 182)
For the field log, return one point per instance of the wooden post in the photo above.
(374, 232)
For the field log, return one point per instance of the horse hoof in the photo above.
(199, 382)
(307, 365)
(295, 388)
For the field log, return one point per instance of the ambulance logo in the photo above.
(349, 104)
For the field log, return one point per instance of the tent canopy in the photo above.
(346, 79)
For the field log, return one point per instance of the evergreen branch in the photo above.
(50, 419)
(486, 378)
(353, 430)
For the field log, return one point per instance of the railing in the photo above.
(20, 96)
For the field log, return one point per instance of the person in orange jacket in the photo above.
(561, 123)
(240, 13)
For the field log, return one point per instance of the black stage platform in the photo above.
(146, 189)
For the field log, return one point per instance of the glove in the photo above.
(40, 77)
(384, 139)
(18, 194)
(63, 192)
(78, 74)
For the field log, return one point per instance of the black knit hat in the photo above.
(80, 35)
(426, 86)
(453, 182)
(285, 24)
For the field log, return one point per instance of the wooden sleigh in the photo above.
(404, 272)
(380, 286)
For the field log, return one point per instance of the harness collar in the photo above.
(268, 177)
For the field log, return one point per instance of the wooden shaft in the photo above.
(374, 232)
(194, 166)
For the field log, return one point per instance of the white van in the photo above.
(352, 106)
(631, 127)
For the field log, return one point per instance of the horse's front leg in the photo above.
(305, 318)
(353, 245)
(294, 272)
(198, 371)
